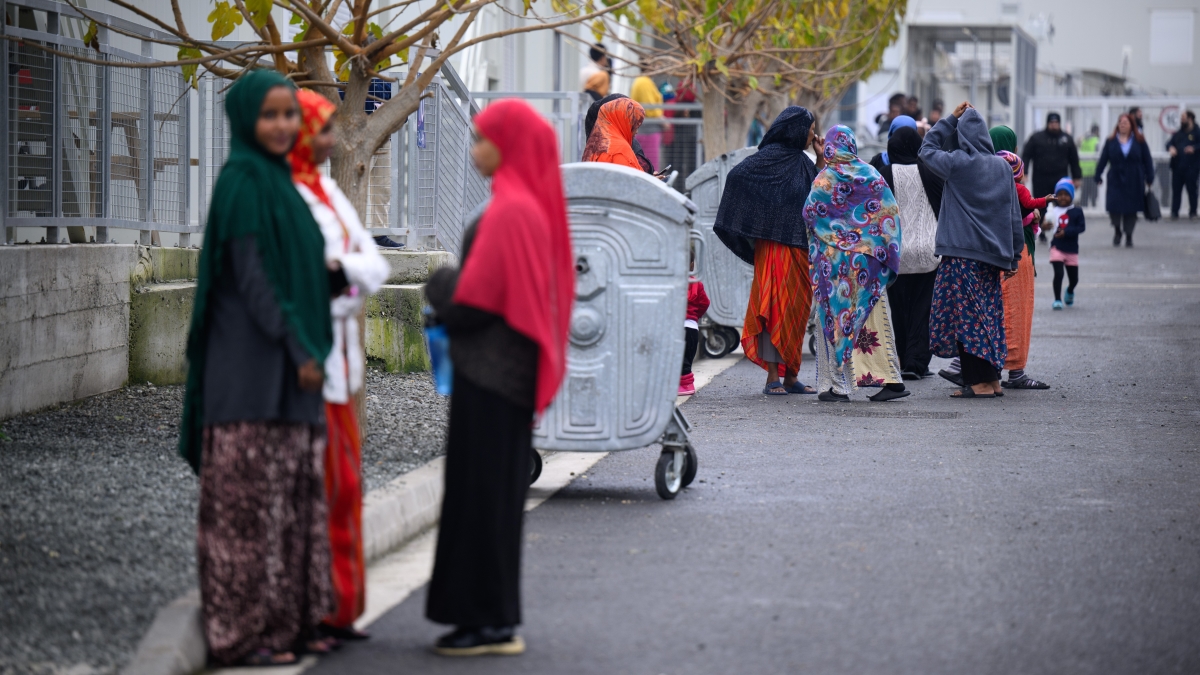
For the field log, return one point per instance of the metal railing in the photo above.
(89, 144)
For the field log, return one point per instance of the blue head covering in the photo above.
(899, 122)
(1065, 184)
(764, 194)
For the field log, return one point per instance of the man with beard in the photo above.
(1052, 154)
(1184, 147)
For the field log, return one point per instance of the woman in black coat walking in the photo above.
(1131, 174)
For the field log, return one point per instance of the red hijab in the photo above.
(521, 265)
(612, 138)
(315, 111)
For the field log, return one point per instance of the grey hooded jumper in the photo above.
(980, 217)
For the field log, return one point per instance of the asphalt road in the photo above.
(1045, 532)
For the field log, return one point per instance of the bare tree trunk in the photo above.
(739, 115)
(713, 101)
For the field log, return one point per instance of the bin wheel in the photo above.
(812, 344)
(717, 344)
(690, 466)
(732, 339)
(535, 466)
(668, 480)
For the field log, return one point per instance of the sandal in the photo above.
(955, 378)
(1024, 383)
(325, 645)
(343, 633)
(967, 392)
(775, 389)
(266, 657)
(833, 397)
(800, 388)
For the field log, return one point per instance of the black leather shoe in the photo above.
(955, 378)
(887, 394)
(383, 241)
(503, 641)
(831, 397)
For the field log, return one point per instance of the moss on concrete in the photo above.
(157, 265)
(414, 267)
(393, 332)
(159, 316)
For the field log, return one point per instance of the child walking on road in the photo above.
(696, 307)
(1064, 223)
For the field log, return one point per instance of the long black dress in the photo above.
(477, 570)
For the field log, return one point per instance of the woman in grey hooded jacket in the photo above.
(979, 238)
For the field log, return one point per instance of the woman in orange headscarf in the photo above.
(507, 311)
(611, 139)
(356, 269)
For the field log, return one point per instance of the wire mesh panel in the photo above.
(379, 188)
(170, 144)
(423, 146)
(453, 141)
(80, 89)
(214, 147)
(30, 132)
(128, 177)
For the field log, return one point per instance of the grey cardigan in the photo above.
(980, 216)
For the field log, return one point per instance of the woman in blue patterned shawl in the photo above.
(854, 245)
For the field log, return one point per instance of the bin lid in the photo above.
(597, 180)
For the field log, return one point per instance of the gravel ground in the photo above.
(97, 516)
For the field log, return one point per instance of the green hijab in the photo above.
(1003, 138)
(255, 196)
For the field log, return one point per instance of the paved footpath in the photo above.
(1046, 532)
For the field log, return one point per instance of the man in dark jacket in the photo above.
(1052, 155)
(1184, 147)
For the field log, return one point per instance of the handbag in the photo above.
(1151, 207)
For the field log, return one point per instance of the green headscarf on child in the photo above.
(255, 196)
(1003, 138)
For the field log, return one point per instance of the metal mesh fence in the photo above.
(423, 167)
(170, 107)
(214, 138)
(81, 87)
(128, 178)
(454, 140)
(30, 131)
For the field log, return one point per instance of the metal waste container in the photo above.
(727, 278)
(630, 233)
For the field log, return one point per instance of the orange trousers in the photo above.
(780, 301)
(343, 490)
(1018, 313)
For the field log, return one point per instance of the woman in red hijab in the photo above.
(356, 270)
(507, 310)
(611, 139)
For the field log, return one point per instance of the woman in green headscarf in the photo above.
(252, 421)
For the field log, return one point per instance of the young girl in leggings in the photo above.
(1064, 224)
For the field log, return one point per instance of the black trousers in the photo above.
(691, 342)
(911, 298)
(974, 369)
(1184, 178)
(1123, 222)
(477, 572)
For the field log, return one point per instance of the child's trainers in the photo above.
(1069, 298)
(1057, 304)
(687, 384)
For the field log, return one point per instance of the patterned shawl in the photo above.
(315, 111)
(612, 138)
(853, 240)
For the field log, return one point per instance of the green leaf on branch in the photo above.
(92, 37)
(297, 20)
(753, 82)
(190, 72)
(260, 11)
(224, 19)
(303, 32)
(598, 29)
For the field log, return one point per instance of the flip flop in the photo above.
(799, 388)
(775, 389)
(967, 392)
(956, 378)
(833, 397)
(1024, 383)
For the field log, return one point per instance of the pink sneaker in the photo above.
(687, 385)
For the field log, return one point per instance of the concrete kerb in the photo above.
(392, 515)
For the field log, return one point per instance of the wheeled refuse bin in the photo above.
(630, 233)
(727, 278)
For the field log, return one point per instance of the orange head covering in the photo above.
(521, 265)
(315, 111)
(612, 138)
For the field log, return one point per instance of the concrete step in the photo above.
(414, 267)
(159, 317)
(393, 333)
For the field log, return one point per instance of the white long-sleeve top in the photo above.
(349, 243)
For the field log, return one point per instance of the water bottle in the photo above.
(438, 344)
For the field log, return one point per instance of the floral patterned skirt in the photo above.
(968, 307)
(874, 361)
(263, 538)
